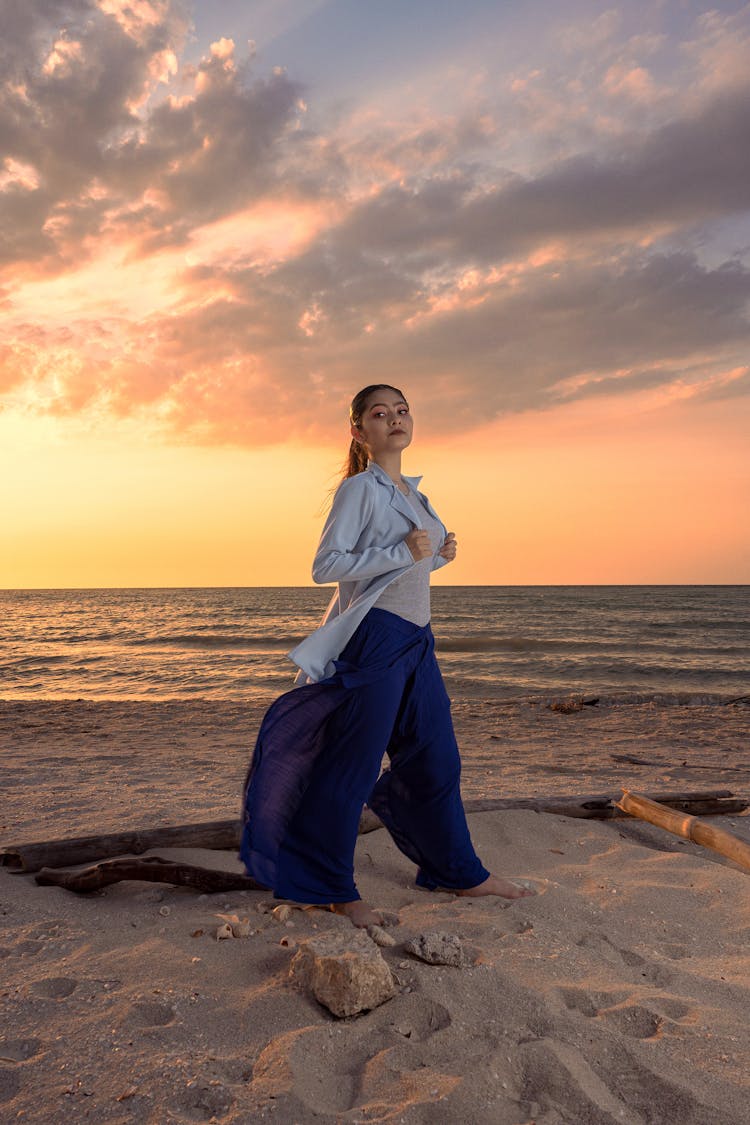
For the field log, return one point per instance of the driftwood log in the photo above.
(150, 869)
(216, 835)
(708, 835)
(224, 835)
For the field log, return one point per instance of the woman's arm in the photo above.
(335, 559)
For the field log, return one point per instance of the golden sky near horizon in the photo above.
(208, 245)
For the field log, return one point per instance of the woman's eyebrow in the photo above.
(400, 402)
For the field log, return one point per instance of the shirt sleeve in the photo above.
(336, 558)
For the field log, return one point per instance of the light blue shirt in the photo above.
(361, 548)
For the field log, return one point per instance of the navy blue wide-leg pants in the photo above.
(317, 762)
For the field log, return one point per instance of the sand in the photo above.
(618, 994)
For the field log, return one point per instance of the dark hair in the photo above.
(356, 461)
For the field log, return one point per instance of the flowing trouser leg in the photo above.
(316, 859)
(419, 797)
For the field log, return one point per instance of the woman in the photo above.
(372, 687)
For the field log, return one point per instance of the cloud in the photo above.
(690, 170)
(732, 384)
(559, 332)
(77, 107)
(719, 51)
(425, 254)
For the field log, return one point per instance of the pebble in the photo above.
(437, 948)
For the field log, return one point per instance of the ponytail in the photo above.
(357, 460)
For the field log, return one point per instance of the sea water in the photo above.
(492, 641)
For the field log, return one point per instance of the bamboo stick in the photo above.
(602, 806)
(224, 835)
(687, 826)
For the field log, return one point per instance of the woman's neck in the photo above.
(391, 464)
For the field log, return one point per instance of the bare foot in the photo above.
(496, 885)
(358, 913)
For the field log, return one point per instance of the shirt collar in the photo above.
(382, 475)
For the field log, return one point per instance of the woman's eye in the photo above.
(403, 410)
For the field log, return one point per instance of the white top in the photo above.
(362, 549)
(409, 594)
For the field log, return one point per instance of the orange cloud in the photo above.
(195, 239)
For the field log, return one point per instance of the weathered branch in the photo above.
(224, 835)
(152, 869)
(217, 835)
(686, 826)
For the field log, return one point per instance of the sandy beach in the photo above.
(618, 994)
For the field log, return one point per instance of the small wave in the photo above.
(473, 691)
(622, 647)
(488, 643)
(615, 698)
(203, 640)
(32, 663)
(62, 637)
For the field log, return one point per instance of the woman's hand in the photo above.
(418, 542)
(448, 549)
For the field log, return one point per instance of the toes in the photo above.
(525, 886)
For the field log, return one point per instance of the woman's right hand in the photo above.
(418, 542)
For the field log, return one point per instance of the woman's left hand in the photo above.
(448, 549)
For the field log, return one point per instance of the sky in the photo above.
(220, 218)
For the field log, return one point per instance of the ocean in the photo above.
(493, 642)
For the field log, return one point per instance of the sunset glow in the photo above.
(219, 221)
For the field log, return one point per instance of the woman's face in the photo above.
(386, 424)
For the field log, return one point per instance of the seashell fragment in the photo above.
(381, 937)
(389, 918)
(282, 913)
(223, 931)
(241, 928)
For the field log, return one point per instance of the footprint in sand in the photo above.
(152, 1013)
(202, 1101)
(27, 948)
(656, 975)
(635, 1021)
(20, 1050)
(590, 1003)
(10, 1083)
(620, 1012)
(608, 1083)
(675, 951)
(54, 988)
(419, 1020)
(673, 1009)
